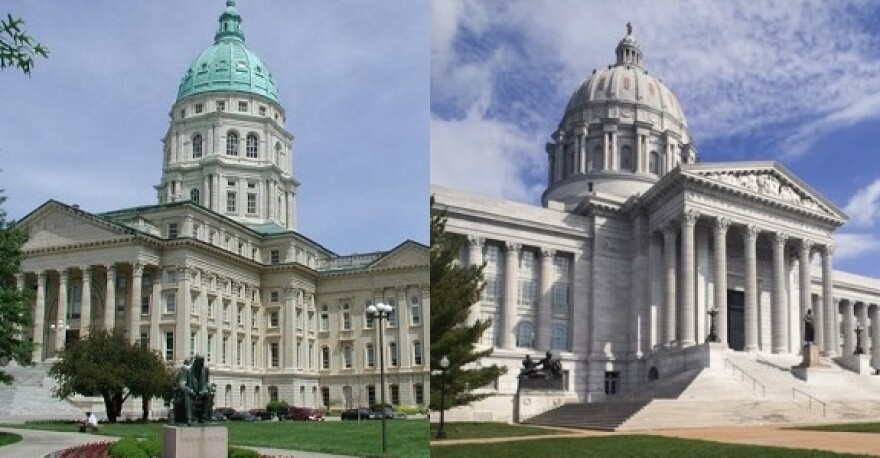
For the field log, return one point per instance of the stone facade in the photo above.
(218, 268)
(617, 272)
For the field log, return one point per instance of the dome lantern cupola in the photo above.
(628, 52)
(230, 24)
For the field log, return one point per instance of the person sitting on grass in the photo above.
(92, 420)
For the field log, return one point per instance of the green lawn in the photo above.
(846, 427)
(466, 430)
(8, 438)
(619, 446)
(406, 438)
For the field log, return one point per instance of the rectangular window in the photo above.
(371, 394)
(145, 340)
(273, 319)
(274, 257)
(242, 106)
(395, 394)
(262, 110)
(253, 353)
(224, 350)
(393, 354)
(240, 317)
(74, 301)
(120, 305)
(230, 201)
(172, 230)
(252, 185)
(196, 229)
(170, 303)
(274, 297)
(238, 351)
(209, 352)
(221, 105)
(183, 112)
(225, 311)
(169, 346)
(192, 343)
(252, 203)
(559, 298)
(145, 305)
(210, 309)
(416, 312)
(325, 395)
(417, 353)
(273, 352)
(419, 393)
(199, 108)
(230, 183)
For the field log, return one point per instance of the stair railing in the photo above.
(810, 397)
(743, 375)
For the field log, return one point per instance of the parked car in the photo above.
(244, 416)
(362, 413)
(226, 411)
(388, 411)
(218, 416)
(304, 414)
(263, 414)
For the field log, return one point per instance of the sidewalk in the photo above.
(774, 436)
(37, 444)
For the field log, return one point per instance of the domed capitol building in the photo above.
(217, 266)
(664, 283)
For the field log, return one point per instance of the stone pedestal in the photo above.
(811, 369)
(860, 364)
(810, 353)
(530, 403)
(194, 441)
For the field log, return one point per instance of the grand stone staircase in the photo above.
(30, 397)
(750, 389)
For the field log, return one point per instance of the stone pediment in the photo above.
(768, 180)
(56, 225)
(407, 254)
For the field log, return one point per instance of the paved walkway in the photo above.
(775, 436)
(37, 444)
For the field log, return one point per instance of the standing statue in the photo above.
(182, 403)
(203, 389)
(193, 393)
(809, 332)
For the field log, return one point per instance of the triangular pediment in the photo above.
(766, 180)
(407, 254)
(55, 225)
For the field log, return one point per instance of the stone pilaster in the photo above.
(85, 320)
(39, 317)
(508, 322)
(545, 305)
(779, 308)
(156, 310)
(721, 225)
(669, 315)
(134, 318)
(61, 311)
(849, 326)
(110, 299)
(182, 316)
(655, 295)
(751, 290)
(638, 285)
(688, 274)
(827, 299)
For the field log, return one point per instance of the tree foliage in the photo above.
(15, 305)
(454, 290)
(108, 365)
(17, 48)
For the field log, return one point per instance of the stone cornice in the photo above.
(493, 218)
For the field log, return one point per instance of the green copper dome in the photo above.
(228, 65)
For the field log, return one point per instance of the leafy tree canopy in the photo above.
(108, 365)
(15, 305)
(17, 48)
(454, 290)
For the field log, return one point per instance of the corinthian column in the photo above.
(61, 311)
(475, 258)
(110, 299)
(827, 299)
(721, 225)
(780, 299)
(875, 335)
(751, 290)
(849, 340)
(85, 320)
(545, 329)
(134, 320)
(508, 323)
(39, 317)
(688, 320)
(669, 266)
(806, 300)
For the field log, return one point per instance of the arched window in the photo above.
(325, 357)
(232, 143)
(197, 146)
(347, 357)
(559, 340)
(251, 145)
(627, 159)
(654, 163)
(194, 196)
(525, 335)
(598, 159)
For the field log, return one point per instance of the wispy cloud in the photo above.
(852, 246)
(863, 207)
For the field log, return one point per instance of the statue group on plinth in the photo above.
(193, 400)
(546, 373)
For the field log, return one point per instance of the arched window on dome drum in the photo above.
(278, 153)
(598, 159)
(197, 146)
(627, 160)
(194, 196)
(232, 143)
(252, 143)
(654, 163)
(525, 335)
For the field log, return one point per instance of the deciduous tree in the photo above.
(15, 305)
(454, 290)
(17, 48)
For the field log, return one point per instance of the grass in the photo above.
(619, 446)
(846, 428)
(8, 438)
(406, 438)
(467, 430)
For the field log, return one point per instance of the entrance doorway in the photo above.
(736, 326)
(611, 379)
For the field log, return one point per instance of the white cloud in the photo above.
(848, 246)
(863, 207)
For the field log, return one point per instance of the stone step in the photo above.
(601, 416)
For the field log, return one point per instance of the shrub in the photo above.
(127, 447)
(274, 407)
(237, 452)
(152, 447)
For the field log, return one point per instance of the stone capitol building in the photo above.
(217, 266)
(638, 239)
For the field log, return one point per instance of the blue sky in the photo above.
(793, 81)
(86, 127)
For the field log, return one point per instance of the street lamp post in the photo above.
(381, 312)
(444, 368)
